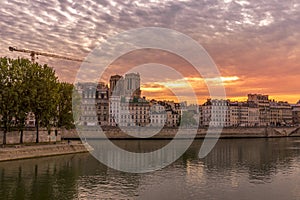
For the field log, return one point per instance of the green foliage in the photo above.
(188, 118)
(9, 81)
(22, 102)
(64, 111)
(29, 87)
(43, 92)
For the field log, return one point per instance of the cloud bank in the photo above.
(256, 41)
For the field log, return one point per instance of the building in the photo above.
(263, 103)
(125, 103)
(173, 112)
(122, 105)
(88, 109)
(215, 113)
(114, 110)
(173, 118)
(223, 113)
(134, 112)
(296, 113)
(30, 120)
(253, 114)
(132, 86)
(116, 85)
(280, 113)
(94, 104)
(127, 86)
(102, 103)
(243, 114)
(286, 112)
(158, 115)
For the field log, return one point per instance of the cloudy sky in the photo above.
(255, 44)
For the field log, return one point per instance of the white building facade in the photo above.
(215, 113)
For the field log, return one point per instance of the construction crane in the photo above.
(34, 54)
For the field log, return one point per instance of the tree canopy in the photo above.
(30, 87)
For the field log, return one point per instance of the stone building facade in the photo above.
(102, 103)
(134, 112)
(215, 113)
(296, 113)
(263, 103)
(94, 104)
(243, 114)
(280, 113)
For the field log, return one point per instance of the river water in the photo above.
(235, 169)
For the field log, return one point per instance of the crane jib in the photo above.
(33, 54)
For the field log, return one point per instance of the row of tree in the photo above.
(30, 87)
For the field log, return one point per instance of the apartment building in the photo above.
(215, 113)
(173, 112)
(158, 114)
(102, 103)
(243, 114)
(134, 112)
(88, 107)
(296, 113)
(114, 110)
(94, 103)
(280, 113)
(263, 103)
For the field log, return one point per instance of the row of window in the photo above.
(158, 121)
(133, 117)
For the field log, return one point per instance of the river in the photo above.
(235, 169)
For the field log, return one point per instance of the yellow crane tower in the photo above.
(34, 54)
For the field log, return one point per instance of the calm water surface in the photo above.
(235, 169)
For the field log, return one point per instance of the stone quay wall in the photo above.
(29, 136)
(35, 151)
(170, 133)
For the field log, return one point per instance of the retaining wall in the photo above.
(12, 153)
(169, 133)
(29, 136)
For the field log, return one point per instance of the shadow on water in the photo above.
(43, 178)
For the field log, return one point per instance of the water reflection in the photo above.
(260, 157)
(39, 179)
(235, 169)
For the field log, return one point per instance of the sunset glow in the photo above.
(256, 45)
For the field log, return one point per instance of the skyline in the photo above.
(181, 83)
(254, 44)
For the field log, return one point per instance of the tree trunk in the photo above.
(4, 136)
(4, 132)
(37, 129)
(21, 129)
(21, 136)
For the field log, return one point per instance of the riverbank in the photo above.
(29, 136)
(170, 133)
(16, 152)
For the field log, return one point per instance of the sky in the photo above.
(255, 44)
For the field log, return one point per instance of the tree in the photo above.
(43, 90)
(8, 94)
(23, 102)
(64, 110)
(187, 118)
(29, 87)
